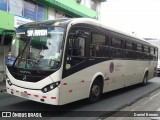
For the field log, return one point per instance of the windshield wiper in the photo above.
(30, 57)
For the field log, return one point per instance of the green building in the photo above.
(16, 12)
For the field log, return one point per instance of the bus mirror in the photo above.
(76, 34)
(79, 33)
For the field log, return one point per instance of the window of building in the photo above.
(93, 5)
(30, 9)
(41, 12)
(3, 5)
(88, 3)
(16, 7)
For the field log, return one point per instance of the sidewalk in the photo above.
(3, 49)
(146, 108)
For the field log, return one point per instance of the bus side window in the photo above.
(99, 45)
(76, 51)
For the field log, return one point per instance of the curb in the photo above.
(2, 91)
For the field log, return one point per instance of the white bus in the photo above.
(60, 61)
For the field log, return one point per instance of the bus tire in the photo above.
(145, 79)
(95, 91)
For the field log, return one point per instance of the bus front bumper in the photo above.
(50, 97)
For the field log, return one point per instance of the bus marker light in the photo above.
(25, 91)
(64, 83)
(28, 94)
(17, 91)
(53, 97)
(36, 95)
(44, 96)
(107, 78)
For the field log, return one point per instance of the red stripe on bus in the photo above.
(29, 94)
(25, 91)
(36, 95)
(17, 91)
(44, 96)
(53, 97)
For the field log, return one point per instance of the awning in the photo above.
(70, 7)
(8, 32)
(6, 21)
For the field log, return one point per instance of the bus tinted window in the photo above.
(98, 39)
(76, 51)
(146, 49)
(99, 47)
(128, 45)
(134, 46)
(116, 42)
(77, 47)
(139, 47)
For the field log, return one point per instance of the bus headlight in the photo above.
(50, 87)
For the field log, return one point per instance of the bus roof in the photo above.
(101, 25)
(72, 21)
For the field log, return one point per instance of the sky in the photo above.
(139, 16)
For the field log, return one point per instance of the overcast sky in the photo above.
(139, 16)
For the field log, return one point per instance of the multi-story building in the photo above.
(16, 12)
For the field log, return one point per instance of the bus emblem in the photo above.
(111, 67)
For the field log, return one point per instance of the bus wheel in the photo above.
(95, 91)
(145, 79)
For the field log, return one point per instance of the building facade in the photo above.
(17, 12)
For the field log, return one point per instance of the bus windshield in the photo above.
(37, 48)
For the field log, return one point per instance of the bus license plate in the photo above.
(24, 95)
